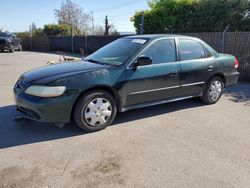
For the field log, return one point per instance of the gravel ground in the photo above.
(180, 144)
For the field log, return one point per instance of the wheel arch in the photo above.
(106, 88)
(220, 75)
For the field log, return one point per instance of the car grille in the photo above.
(28, 113)
(20, 83)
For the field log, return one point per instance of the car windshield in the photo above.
(117, 52)
(4, 35)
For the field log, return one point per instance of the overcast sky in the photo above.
(17, 15)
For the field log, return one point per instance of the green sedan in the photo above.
(129, 73)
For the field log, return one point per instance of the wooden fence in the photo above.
(236, 43)
(64, 43)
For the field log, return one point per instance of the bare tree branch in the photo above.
(73, 13)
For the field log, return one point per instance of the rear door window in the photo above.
(191, 49)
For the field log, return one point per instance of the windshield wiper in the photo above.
(95, 61)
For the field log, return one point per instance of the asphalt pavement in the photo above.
(180, 144)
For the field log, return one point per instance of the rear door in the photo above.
(15, 40)
(197, 66)
(157, 81)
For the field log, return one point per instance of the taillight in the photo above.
(236, 63)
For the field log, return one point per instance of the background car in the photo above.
(129, 73)
(9, 41)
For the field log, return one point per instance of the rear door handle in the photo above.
(210, 68)
(173, 74)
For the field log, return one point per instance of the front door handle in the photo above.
(210, 68)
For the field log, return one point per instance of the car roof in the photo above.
(155, 36)
(5, 32)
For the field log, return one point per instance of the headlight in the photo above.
(45, 91)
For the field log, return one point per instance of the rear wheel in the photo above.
(95, 111)
(213, 90)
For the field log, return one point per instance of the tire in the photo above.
(20, 48)
(213, 91)
(95, 111)
(2, 50)
(12, 50)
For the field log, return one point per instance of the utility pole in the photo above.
(72, 35)
(107, 26)
(31, 42)
(92, 20)
(86, 44)
(223, 39)
(142, 23)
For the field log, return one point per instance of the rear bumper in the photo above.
(232, 78)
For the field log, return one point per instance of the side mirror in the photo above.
(142, 61)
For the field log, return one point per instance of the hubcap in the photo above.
(98, 112)
(215, 90)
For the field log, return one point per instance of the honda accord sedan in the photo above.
(129, 73)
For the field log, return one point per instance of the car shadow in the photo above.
(151, 111)
(14, 133)
(239, 93)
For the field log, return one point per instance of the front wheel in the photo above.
(12, 49)
(20, 48)
(95, 111)
(213, 90)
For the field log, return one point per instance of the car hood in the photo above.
(5, 38)
(59, 70)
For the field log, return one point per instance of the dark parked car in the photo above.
(9, 41)
(131, 72)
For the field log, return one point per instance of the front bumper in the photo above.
(54, 110)
(4, 47)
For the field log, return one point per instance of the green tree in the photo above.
(216, 15)
(23, 34)
(35, 32)
(167, 16)
(56, 29)
(38, 32)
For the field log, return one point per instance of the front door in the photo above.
(158, 81)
